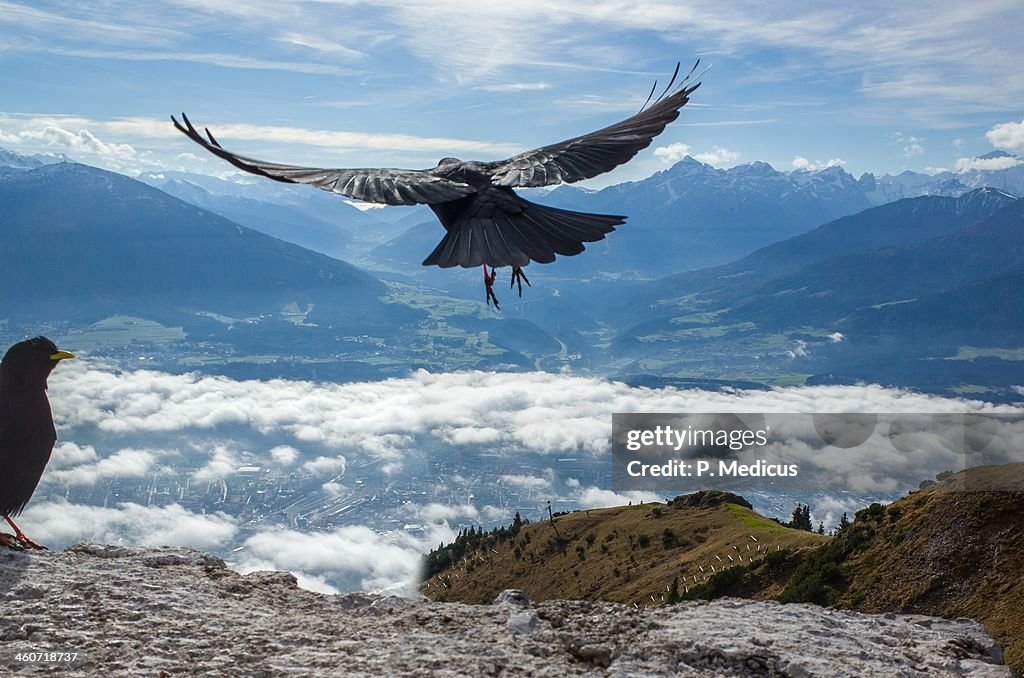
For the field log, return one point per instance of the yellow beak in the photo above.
(61, 355)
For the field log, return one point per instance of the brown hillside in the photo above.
(627, 554)
(950, 550)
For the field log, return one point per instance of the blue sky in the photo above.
(874, 86)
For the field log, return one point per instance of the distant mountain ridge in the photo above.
(81, 242)
(18, 161)
(902, 223)
(688, 216)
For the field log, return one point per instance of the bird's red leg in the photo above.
(518, 278)
(489, 287)
(22, 537)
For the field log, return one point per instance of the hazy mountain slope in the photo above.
(284, 222)
(824, 292)
(988, 311)
(85, 242)
(905, 222)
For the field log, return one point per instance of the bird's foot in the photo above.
(11, 542)
(29, 543)
(22, 540)
(489, 287)
(518, 278)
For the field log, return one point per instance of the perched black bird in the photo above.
(487, 223)
(27, 434)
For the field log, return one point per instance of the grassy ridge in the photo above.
(627, 554)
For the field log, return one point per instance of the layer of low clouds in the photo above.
(513, 413)
(532, 411)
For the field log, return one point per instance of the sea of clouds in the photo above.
(387, 421)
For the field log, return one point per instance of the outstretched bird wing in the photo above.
(381, 185)
(598, 152)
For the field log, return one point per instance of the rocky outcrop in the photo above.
(163, 611)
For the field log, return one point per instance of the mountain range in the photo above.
(689, 216)
(876, 294)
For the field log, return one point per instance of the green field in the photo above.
(121, 330)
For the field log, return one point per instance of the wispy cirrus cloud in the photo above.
(79, 136)
(515, 87)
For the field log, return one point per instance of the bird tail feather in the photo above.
(536, 233)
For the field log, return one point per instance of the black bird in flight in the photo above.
(27, 434)
(487, 224)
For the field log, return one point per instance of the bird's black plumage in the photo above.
(486, 222)
(27, 434)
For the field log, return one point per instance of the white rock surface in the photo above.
(156, 611)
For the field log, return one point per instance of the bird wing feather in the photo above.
(380, 185)
(592, 154)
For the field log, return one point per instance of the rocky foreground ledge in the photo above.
(171, 611)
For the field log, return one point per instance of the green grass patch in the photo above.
(754, 521)
(972, 352)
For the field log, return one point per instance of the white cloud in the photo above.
(802, 163)
(442, 513)
(830, 509)
(351, 558)
(1009, 135)
(223, 463)
(59, 523)
(326, 466)
(83, 142)
(799, 350)
(333, 489)
(285, 455)
(912, 150)
(969, 164)
(836, 337)
(123, 463)
(515, 87)
(596, 497)
(672, 153)
(67, 454)
(718, 156)
(495, 513)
